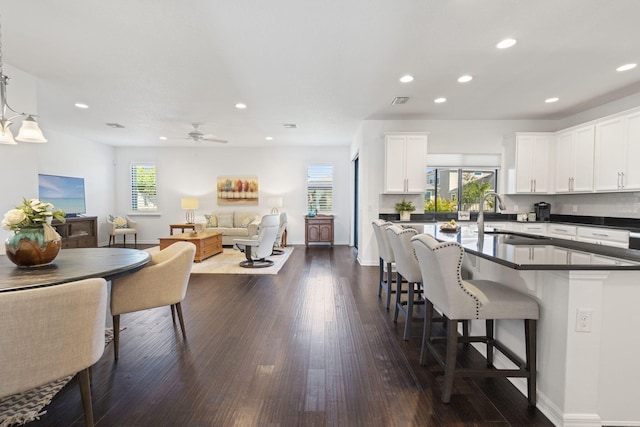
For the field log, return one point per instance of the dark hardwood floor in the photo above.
(311, 346)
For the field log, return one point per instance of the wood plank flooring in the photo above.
(311, 346)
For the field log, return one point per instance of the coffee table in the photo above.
(208, 243)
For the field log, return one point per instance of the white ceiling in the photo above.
(156, 66)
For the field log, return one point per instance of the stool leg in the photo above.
(389, 284)
(381, 275)
(407, 323)
(398, 293)
(530, 334)
(426, 330)
(450, 361)
(490, 341)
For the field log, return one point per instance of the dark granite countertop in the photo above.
(526, 252)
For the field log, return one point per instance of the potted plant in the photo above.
(405, 208)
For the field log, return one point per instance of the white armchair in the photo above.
(260, 246)
(121, 226)
(281, 236)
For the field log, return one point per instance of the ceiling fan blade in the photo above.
(222, 141)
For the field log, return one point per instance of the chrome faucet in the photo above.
(501, 206)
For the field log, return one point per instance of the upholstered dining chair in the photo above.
(458, 299)
(121, 226)
(258, 247)
(163, 281)
(387, 261)
(407, 271)
(52, 332)
(280, 239)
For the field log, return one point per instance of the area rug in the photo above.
(27, 406)
(228, 263)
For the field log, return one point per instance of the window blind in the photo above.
(143, 187)
(320, 188)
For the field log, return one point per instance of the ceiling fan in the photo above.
(196, 135)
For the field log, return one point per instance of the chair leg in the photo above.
(116, 335)
(135, 240)
(450, 361)
(173, 313)
(490, 341)
(179, 310)
(530, 334)
(389, 284)
(398, 293)
(85, 393)
(124, 240)
(110, 237)
(381, 276)
(408, 320)
(426, 330)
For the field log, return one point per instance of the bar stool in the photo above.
(407, 269)
(386, 259)
(458, 299)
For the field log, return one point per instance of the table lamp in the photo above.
(275, 203)
(190, 204)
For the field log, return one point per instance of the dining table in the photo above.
(71, 265)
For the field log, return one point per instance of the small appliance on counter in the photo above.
(543, 211)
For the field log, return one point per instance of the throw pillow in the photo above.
(119, 221)
(225, 220)
(212, 221)
(246, 221)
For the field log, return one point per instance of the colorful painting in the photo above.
(237, 190)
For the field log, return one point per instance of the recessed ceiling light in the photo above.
(163, 138)
(399, 100)
(81, 105)
(406, 78)
(440, 100)
(269, 138)
(465, 79)
(241, 106)
(551, 100)
(506, 43)
(290, 125)
(626, 67)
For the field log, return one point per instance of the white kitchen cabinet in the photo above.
(561, 231)
(527, 161)
(537, 228)
(574, 160)
(603, 236)
(405, 163)
(617, 152)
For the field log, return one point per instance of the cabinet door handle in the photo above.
(601, 234)
(621, 179)
(534, 185)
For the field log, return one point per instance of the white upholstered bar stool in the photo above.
(386, 258)
(407, 270)
(458, 299)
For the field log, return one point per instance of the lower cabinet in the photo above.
(80, 232)
(318, 229)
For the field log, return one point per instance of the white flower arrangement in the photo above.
(32, 213)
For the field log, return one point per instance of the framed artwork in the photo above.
(237, 190)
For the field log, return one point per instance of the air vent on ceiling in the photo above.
(115, 125)
(400, 100)
(290, 125)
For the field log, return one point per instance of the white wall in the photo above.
(193, 172)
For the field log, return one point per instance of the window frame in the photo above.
(320, 171)
(136, 193)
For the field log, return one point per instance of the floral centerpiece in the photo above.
(34, 241)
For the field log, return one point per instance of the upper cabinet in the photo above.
(405, 162)
(617, 152)
(528, 162)
(574, 160)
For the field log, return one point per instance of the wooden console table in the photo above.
(181, 227)
(318, 229)
(208, 243)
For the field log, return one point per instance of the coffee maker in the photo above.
(543, 211)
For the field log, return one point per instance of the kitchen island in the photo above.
(588, 328)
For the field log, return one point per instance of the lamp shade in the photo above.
(275, 202)
(6, 137)
(190, 203)
(30, 131)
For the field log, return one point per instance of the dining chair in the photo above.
(258, 247)
(163, 281)
(407, 271)
(50, 333)
(458, 299)
(280, 241)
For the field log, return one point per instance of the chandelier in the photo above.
(29, 132)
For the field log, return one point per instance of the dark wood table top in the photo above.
(71, 265)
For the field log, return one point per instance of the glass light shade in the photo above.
(6, 137)
(190, 203)
(30, 131)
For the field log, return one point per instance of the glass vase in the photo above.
(27, 247)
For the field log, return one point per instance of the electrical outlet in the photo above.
(575, 208)
(584, 319)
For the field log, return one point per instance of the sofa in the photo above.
(232, 224)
